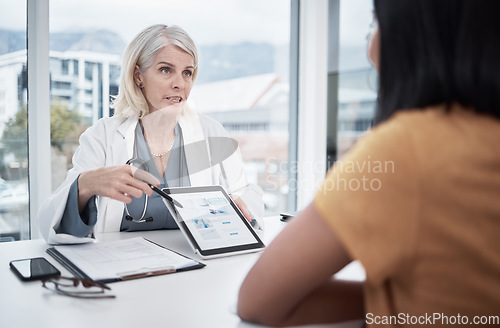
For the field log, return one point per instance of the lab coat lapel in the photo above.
(122, 150)
(127, 133)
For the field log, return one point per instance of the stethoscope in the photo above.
(139, 163)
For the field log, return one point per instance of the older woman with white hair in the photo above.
(156, 130)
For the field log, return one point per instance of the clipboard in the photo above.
(120, 260)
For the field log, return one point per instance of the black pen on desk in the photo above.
(89, 282)
(167, 196)
(102, 285)
(286, 216)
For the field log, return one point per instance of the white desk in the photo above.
(198, 298)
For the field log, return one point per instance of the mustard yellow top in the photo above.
(417, 202)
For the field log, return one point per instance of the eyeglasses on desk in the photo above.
(74, 287)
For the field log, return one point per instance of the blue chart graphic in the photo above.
(216, 201)
(202, 224)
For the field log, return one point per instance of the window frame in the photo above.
(39, 151)
(312, 98)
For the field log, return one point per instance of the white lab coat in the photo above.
(110, 142)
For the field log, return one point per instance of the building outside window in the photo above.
(14, 198)
(357, 79)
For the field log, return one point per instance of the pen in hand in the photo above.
(165, 195)
(150, 180)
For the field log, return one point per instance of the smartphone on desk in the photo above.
(37, 268)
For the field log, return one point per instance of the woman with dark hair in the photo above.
(416, 201)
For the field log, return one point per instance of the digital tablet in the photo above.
(211, 221)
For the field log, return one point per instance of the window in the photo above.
(246, 47)
(244, 62)
(65, 67)
(351, 76)
(14, 214)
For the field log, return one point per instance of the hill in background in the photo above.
(217, 61)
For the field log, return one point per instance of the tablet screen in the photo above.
(212, 221)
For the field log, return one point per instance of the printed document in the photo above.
(121, 259)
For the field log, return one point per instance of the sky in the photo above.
(234, 21)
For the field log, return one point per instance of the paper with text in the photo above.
(120, 258)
